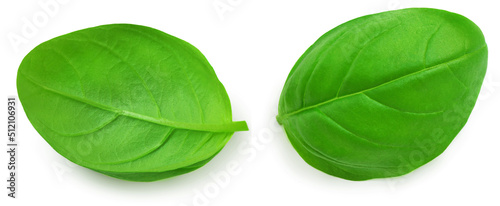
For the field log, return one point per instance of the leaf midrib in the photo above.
(280, 118)
(226, 127)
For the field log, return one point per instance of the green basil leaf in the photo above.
(383, 94)
(128, 101)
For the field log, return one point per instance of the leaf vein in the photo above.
(322, 155)
(224, 127)
(357, 55)
(427, 44)
(148, 90)
(281, 117)
(399, 110)
(164, 141)
(358, 136)
(316, 62)
(73, 67)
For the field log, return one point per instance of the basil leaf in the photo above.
(383, 94)
(128, 101)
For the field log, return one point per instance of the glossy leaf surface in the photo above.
(128, 101)
(383, 94)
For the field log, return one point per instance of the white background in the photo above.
(252, 47)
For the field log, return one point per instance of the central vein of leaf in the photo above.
(281, 117)
(225, 127)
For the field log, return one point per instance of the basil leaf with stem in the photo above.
(128, 101)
